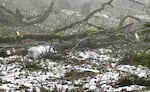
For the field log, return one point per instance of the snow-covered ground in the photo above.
(87, 70)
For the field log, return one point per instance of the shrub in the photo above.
(142, 59)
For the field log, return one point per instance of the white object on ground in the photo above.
(37, 52)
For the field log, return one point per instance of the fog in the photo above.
(120, 6)
(74, 45)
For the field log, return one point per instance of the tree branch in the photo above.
(86, 18)
(9, 17)
(40, 18)
(142, 4)
(121, 24)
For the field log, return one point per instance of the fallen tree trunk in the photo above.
(62, 47)
(62, 43)
(96, 36)
(39, 37)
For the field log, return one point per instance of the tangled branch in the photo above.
(9, 17)
(86, 18)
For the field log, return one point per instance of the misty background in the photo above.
(121, 7)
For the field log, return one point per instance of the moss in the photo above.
(42, 89)
(142, 59)
(146, 89)
(133, 80)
